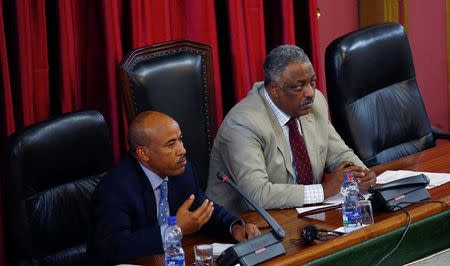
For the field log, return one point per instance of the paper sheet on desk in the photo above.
(331, 201)
(310, 208)
(219, 248)
(436, 179)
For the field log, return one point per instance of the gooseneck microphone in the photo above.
(259, 248)
(278, 231)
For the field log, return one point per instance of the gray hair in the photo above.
(281, 57)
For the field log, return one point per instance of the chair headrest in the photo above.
(368, 59)
(60, 150)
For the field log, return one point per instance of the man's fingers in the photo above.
(206, 215)
(368, 177)
(363, 179)
(200, 210)
(344, 164)
(251, 231)
(188, 203)
(367, 181)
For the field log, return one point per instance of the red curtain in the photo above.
(315, 44)
(62, 56)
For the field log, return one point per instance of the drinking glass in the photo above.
(203, 255)
(366, 212)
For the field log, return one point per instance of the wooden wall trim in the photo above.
(391, 10)
(376, 11)
(403, 13)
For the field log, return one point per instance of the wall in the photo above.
(336, 19)
(427, 34)
(426, 25)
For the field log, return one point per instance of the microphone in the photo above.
(258, 249)
(310, 233)
(279, 232)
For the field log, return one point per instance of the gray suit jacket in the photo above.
(251, 148)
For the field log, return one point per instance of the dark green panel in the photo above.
(424, 238)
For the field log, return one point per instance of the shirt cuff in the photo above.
(237, 221)
(313, 194)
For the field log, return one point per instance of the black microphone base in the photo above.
(252, 252)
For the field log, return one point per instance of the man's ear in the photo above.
(142, 153)
(273, 90)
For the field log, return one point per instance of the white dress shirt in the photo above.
(313, 193)
(155, 181)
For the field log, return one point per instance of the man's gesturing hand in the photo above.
(190, 222)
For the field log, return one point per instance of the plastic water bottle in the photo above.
(351, 210)
(173, 252)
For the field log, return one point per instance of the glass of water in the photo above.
(366, 212)
(203, 255)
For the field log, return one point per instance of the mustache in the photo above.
(307, 101)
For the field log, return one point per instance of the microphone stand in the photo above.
(258, 249)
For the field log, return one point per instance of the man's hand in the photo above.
(365, 179)
(332, 184)
(190, 222)
(244, 232)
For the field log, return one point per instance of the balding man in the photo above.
(131, 204)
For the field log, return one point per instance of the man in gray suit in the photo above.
(258, 143)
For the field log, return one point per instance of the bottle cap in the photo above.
(348, 176)
(172, 220)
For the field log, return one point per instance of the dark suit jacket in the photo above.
(125, 225)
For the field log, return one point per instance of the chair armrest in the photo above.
(438, 134)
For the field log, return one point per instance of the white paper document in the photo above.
(341, 229)
(328, 202)
(219, 248)
(436, 179)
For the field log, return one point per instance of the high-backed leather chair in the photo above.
(175, 78)
(375, 102)
(54, 167)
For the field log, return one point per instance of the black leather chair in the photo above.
(54, 167)
(375, 103)
(175, 78)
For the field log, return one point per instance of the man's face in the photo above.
(294, 92)
(165, 155)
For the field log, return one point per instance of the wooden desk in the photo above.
(377, 238)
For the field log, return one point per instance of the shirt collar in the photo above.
(281, 116)
(155, 180)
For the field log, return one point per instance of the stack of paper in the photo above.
(436, 179)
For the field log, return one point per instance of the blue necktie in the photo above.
(163, 204)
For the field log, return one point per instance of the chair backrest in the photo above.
(375, 103)
(175, 78)
(54, 167)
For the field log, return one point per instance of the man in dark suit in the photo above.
(129, 206)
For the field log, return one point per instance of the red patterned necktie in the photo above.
(299, 154)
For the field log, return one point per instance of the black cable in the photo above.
(408, 225)
(429, 201)
(401, 238)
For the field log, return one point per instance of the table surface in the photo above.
(436, 159)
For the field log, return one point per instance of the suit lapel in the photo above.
(284, 148)
(147, 192)
(279, 136)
